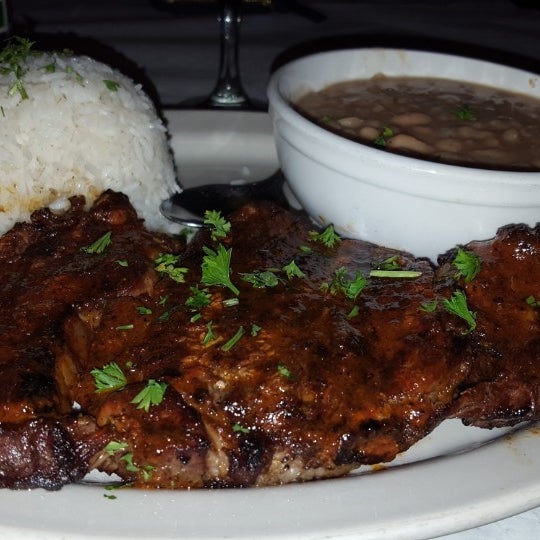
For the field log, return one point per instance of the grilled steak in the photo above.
(287, 372)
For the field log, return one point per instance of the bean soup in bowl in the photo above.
(413, 150)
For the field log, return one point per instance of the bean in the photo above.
(411, 119)
(449, 145)
(473, 132)
(402, 141)
(490, 155)
(369, 133)
(423, 132)
(511, 135)
(350, 122)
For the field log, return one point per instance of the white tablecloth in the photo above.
(178, 58)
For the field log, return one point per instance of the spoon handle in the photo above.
(188, 206)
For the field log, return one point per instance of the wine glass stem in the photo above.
(228, 90)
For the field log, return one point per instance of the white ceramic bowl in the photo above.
(396, 201)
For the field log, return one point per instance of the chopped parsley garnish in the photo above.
(198, 299)
(284, 371)
(383, 137)
(393, 268)
(457, 305)
(341, 283)
(166, 315)
(100, 245)
(166, 264)
(239, 428)
(113, 86)
(532, 301)
(122, 262)
(12, 58)
(468, 264)
(220, 226)
(234, 340)
(429, 306)
(151, 394)
(328, 237)
(216, 268)
(109, 378)
(395, 273)
(113, 447)
(79, 78)
(292, 270)
(49, 68)
(209, 336)
(465, 113)
(353, 313)
(261, 279)
(391, 263)
(128, 459)
(255, 329)
(125, 327)
(143, 310)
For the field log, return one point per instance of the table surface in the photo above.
(176, 56)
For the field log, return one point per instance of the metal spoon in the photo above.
(188, 206)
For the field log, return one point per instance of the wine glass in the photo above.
(228, 91)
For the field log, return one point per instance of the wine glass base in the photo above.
(210, 102)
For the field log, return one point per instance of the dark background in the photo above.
(175, 52)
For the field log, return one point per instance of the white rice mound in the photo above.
(84, 128)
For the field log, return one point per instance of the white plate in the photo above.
(456, 478)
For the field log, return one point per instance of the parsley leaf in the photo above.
(284, 371)
(100, 245)
(429, 306)
(238, 428)
(220, 226)
(392, 267)
(328, 237)
(465, 113)
(109, 378)
(341, 283)
(457, 305)
(12, 58)
(130, 466)
(166, 264)
(234, 340)
(468, 264)
(216, 268)
(113, 86)
(209, 336)
(261, 279)
(292, 270)
(151, 394)
(198, 299)
(112, 447)
(383, 137)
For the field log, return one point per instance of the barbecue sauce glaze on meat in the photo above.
(308, 391)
